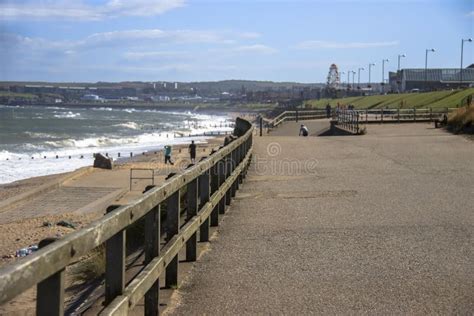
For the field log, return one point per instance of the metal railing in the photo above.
(402, 115)
(349, 120)
(297, 116)
(135, 177)
(210, 185)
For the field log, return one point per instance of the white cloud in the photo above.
(470, 14)
(76, 10)
(327, 44)
(155, 55)
(255, 49)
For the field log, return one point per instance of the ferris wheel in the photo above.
(333, 77)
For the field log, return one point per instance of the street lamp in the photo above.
(370, 65)
(400, 56)
(399, 79)
(353, 76)
(426, 64)
(348, 81)
(462, 49)
(358, 77)
(383, 72)
(340, 76)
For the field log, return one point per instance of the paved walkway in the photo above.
(379, 224)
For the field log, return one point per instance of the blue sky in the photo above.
(199, 40)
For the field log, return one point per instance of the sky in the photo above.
(209, 40)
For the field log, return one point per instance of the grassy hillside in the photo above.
(437, 99)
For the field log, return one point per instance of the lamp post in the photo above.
(399, 79)
(348, 81)
(353, 76)
(426, 64)
(400, 56)
(358, 77)
(383, 73)
(462, 50)
(340, 76)
(370, 65)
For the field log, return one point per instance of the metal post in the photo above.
(398, 115)
(192, 209)
(431, 114)
(261, 126)
(50, 292)
(114, 263)
(414, 114)
(381, 115)
(172, 223)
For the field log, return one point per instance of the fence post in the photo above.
(431, 115)
(172, 223)
(152, 250)
(398, 115)
(50, 292)
(223, 174)
(214, 187)
(192, 197)
(366, 116)
(233, 163)
(381, 115)
(357, 126)
(204, 198)
(114, 263)
(414, 114)
(261, 126)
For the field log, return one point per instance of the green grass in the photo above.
(437, 99)
(17, 95)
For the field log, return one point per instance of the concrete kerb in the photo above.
(15, 200)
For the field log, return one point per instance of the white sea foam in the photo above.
(130, 125)
(17, 166)
(68, 114)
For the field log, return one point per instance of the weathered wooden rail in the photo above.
(210, 186)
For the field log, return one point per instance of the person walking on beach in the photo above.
(303, 130)
(192, 151)
(168, 155)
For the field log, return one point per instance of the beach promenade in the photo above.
(379, 224)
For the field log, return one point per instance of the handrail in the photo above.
(378, 115)
(53, 258)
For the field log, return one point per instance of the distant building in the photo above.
(431, 79)
(90, 97)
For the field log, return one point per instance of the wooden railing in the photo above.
(210, 185)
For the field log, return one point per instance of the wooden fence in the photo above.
(210, 185)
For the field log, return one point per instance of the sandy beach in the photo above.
(23, 226)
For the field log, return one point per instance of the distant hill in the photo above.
(212, 86)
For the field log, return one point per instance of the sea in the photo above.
(43, 140)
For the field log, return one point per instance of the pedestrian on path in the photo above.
(168, 150)
(303, 130)
(192, 151)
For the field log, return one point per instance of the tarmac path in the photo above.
(379, 224)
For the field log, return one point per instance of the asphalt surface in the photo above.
(379, 224)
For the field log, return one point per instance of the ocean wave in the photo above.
(68, 114)
(102, 109)
(130, 125)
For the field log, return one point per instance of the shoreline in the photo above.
(44, 162)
